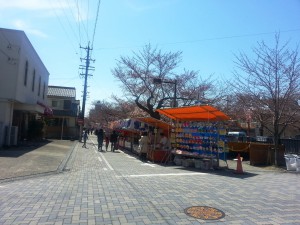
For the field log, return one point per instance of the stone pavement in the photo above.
(34, 158)
(117, 188)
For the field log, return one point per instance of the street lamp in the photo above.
(160, 81)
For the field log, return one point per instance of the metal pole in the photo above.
(85, 80)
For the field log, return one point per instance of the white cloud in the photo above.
(48, 8)
(21, 25)
(34, 4)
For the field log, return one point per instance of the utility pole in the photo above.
(86, 68)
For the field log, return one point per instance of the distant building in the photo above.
(23, 86)
(63, 123)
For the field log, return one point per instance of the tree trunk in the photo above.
(276, 145)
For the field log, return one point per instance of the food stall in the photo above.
(129, 131)
(200, 135)
(154, 127)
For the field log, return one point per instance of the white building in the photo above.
(23, 86)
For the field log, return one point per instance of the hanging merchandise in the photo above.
(200, 139)
(200, 135)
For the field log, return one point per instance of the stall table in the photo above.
(159, 155)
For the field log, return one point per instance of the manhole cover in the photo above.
(204, 213)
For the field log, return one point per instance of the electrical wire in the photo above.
(201, 40)
(88, 13)
(228, 37)
(67, 19)
(96, 21)
(80, 23)
(63, 28)
(74, 17)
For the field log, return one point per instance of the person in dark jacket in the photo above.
(113, 140)
(100, 138)
(85, 137)
(106, 141)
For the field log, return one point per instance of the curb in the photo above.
(64, 163)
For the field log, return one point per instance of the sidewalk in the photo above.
(35, 158)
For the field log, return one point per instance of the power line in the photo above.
(229, 37)
(63, 28)
(88, 13)
(201, 40)
(67, 18)
(74, 17)
(63, 78)
(94, 32)
(80, 19)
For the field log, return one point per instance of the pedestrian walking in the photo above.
(85, 137)
(113, 140)
(106, 141)
(100, 138)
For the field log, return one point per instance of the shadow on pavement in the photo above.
(220, 172)
(23, 148)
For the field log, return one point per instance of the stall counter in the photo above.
(159, 155)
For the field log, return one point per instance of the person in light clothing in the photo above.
(85, 137)
(163, 141)
(143, 146)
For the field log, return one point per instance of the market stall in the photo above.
(199, 135)
(155, 127)
(130, 131)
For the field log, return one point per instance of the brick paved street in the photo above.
(116, 188)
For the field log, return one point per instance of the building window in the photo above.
(39, 89)
(58, 104)
(26, 73)
(67, 104)
(33, 80)
(44, 89)
(54, 104)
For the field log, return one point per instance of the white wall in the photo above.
(12, 71)
(35, 65)
(9, 63)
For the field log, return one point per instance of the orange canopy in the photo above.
(155, 122)
(203, 112)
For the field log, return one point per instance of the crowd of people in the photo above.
(101, 138)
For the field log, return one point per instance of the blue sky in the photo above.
(208, 32)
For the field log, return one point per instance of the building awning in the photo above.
(32, 108)
(200, 113)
